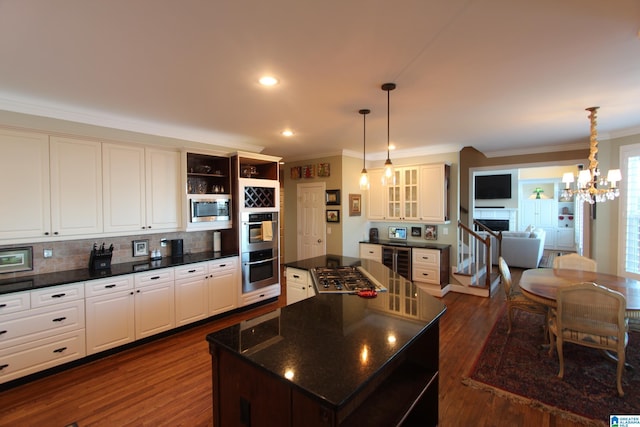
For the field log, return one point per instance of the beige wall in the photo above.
(332, 182)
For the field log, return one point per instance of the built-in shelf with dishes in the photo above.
(207, 174)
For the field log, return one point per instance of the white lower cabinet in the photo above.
(299, 285)
(205, 289)
(46, 327)
(41, 331)
(192, 293)
(371, 251)
(154, 302)
(224, 282)
(110, 313)
(426, 265)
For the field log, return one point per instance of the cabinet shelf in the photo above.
(208, 174)
(213, 175)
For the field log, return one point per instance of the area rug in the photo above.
(517, 367)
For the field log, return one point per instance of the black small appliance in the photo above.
(373, 235)
(177, 248)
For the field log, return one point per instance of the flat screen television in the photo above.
(493, 186)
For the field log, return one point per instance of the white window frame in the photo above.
(626, 151)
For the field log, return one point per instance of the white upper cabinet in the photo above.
(76, 187)
(25, 210)
(376, 195)
(141, 188)
(52, 186)
(402, 197)
(434, 193)
(420, 193)
(163, 196)
(124, 189)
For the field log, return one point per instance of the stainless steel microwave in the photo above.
(210, 210)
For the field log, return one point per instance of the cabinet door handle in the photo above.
(3, 332)
(110, 286)
(58, 295)
(192, 271)
(59, 319)
(295, 276)
(155, 277)
(425, 274)
(222, 265)
(3, 305)
(4, 366)
(59, 350)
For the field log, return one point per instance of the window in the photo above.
(630, 211)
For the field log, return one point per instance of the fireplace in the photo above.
(495, 224)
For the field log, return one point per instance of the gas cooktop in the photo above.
(344, 280)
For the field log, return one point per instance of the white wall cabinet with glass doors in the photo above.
(420, 193)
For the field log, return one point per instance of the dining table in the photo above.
(541, 285)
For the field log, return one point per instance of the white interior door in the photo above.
(311, 220)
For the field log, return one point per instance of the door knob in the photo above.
(319, 240)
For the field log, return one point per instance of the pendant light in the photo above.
(388, 176)
(364, 179)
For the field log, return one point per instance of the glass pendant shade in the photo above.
(388, 176)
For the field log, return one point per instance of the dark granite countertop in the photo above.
(71, 276)
(408, 244)
(330, 345)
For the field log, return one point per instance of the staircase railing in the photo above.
(474, 250)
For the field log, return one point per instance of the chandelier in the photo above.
(591, 186)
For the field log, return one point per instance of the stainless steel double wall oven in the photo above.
(259, 250)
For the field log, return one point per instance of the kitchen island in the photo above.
(333, 359)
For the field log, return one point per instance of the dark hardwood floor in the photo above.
(168, 382)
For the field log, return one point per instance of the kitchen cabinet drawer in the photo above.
(57, 295)
(38, 323)
(369, 251)
(153, 277)
(428, 275)
(191, 270)
(11, 303)
(426, 257)
(261, 295)
(34, 356)
(99, 287)
(227, 264)
(295, 275)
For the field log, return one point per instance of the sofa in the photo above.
(522, 249)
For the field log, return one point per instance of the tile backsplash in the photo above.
(74, 254)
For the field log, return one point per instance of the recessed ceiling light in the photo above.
(268, 81)
(287, 132)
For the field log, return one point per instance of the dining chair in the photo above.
(515, 300)
(590, 315)
(575, 262)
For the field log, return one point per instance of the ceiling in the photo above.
(499, 75)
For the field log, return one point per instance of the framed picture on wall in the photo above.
(140, 247)
(355, 204)
(431, 232)
(333, 215)
(333, 197)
